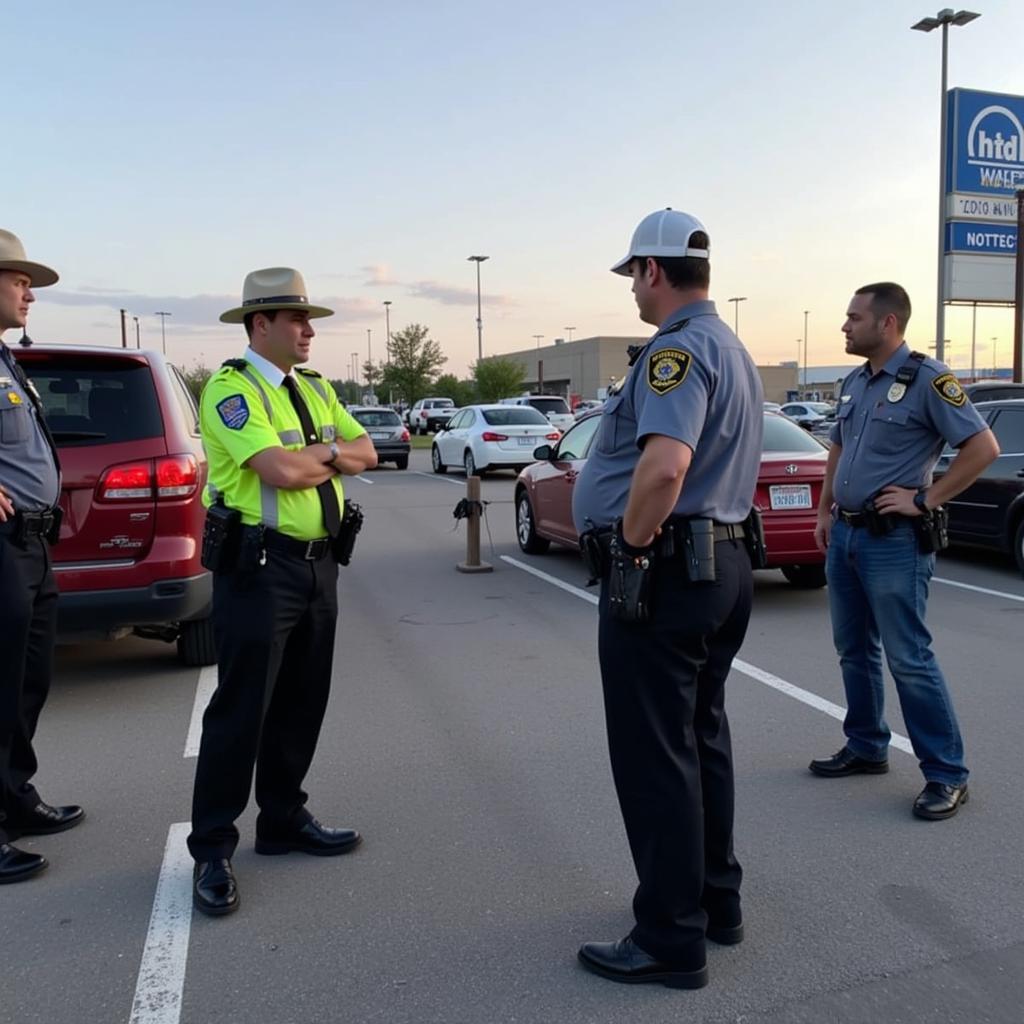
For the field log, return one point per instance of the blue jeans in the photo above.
(878, 591)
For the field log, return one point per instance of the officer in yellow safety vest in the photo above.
(277, 443)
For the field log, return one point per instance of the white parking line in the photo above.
(162, 971)
(366, 480)
(758, 674)
(978, 590)
(440, 478)
(204, 691)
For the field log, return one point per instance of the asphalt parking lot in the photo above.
(465, 740)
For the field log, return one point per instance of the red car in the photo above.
(127, 432)
(788, 489)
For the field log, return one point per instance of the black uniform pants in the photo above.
(274, 628)
(671, 757)
(28, 626)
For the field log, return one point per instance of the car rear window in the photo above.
(556, 406)
(440, 403)
(377, 418)
(514, 415)
(782, 435)
(89, 403)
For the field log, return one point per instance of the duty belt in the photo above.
(309, 550)
(33, 524)
(667, 543)
(852, 518)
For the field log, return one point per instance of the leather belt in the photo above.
(671, 538)
(309, 550)
(855, 519)
(33, 524)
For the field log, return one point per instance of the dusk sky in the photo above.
(156, 153)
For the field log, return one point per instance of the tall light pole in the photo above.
(537, 338)
(163, 336)
(138, 341)
(806, 311)
(945, 18)
(804, 388)
(569, 330)
(355, 367)
(736, 313)
(479, 319)
(995, 365)
(387, 326)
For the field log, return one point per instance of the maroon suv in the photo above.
(127, 432)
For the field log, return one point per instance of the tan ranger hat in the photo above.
(273, 288)
(12, 257)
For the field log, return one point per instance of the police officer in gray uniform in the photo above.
(29, 489)
(876, 525)
(666, 493)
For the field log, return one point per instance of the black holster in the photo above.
(879, 523)
(351, 524)
(932, 530)
(222, 533)
(698, 537)
(753, 539)
(629, 583)
(594, 549)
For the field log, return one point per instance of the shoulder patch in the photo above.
(949, 389)
(233, 411)
(307, 372)
(667, 369)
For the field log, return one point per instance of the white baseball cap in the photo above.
(663, 233)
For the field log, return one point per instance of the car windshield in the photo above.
(823, 407)
(377, 418)
(782, 435)
(89, 402)
(440, 403)
(555, 406)
(513, 415)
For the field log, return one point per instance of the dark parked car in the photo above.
(993, 390)
(387, 432)
(990, 513)
(788, 489)
(127, 432)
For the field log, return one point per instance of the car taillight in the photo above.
(556, 436)
(405, 435)
(489, 436)
(131, 481)
(177, 476)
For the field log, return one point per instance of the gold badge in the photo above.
(667, 369)
(949, 389)
(14, 398)
(897, 391)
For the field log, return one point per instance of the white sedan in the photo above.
(483, 437)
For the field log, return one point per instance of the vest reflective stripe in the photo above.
(318, 384)
(269, 515)
(290, 436)
(254, 381)
(329, 432)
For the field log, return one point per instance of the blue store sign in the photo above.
(981, 239)
(985, 143)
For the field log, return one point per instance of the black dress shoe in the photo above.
(937, 801)
(44, 820)
(17, 865)
(312, 838)
(846, 762)
(625, 961)
(214, 889)
(727, 934)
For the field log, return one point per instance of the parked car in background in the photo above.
(585, 406)
(772, 407)
(554, 407)
(993, 390)
(807, 414)
(387, 432)
(788, 489)
(483, 437)
(990, 513)
(429, 415)
(133, 469)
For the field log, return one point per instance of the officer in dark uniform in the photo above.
(276, 442)
(29, 492)
(876, 523)
(666, 492)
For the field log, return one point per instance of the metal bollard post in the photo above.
(472, 562)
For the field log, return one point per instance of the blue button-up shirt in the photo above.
(696, 384)
(891, 435)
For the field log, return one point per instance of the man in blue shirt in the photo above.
(895, 414)
(669, 483)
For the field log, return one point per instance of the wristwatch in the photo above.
(919, 503)
(334, 450)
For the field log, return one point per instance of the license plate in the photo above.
(378, 436)
(784, 496)
(524, 441)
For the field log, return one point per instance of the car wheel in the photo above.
(435, 460)
(806, 577)
(469, 464)
(402, 462)
(526, 532)
(195, 643)
(1018, 545)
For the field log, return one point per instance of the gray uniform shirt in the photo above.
(893, 435)
(696, 384)
(27, 470)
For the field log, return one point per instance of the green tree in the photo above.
(196, 377)
(415, 361)
(347, 390)
(498, 378)
(461, 392)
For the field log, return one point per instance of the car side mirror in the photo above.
(543, 452)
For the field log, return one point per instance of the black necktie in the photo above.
(326, 492)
